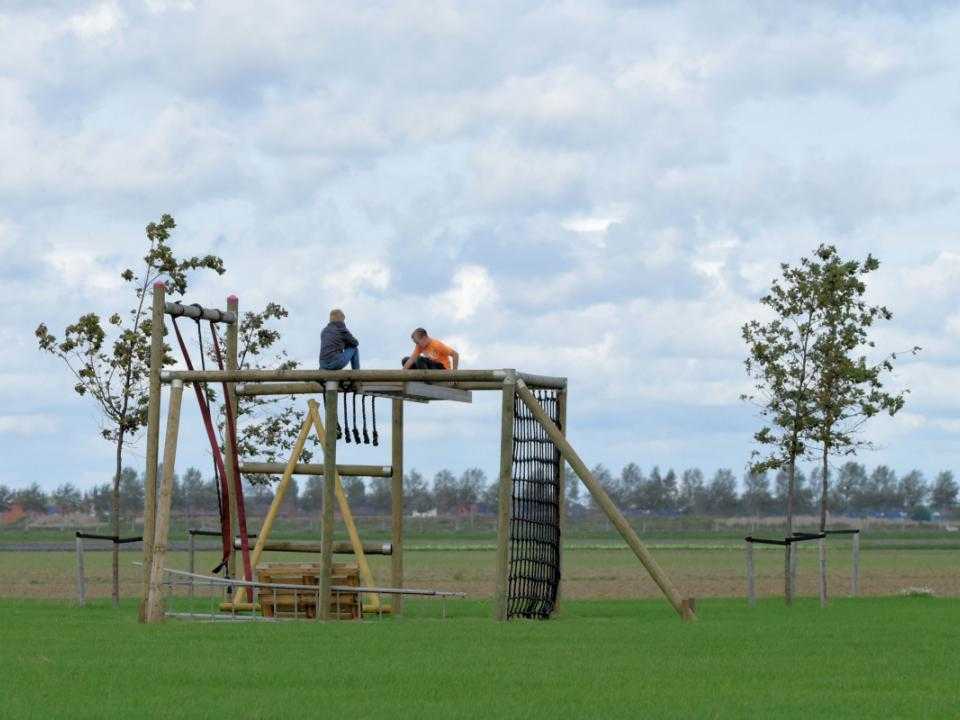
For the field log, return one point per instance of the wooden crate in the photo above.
(303, 603)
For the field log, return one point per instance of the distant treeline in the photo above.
(853, 491)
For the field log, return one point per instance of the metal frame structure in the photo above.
(400, 385)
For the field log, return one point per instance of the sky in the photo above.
(599, 190)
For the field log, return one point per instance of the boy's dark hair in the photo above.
(418, 333)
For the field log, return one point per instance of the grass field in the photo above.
(866, 658)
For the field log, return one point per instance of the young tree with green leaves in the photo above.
(781, 365)
(110, 361)
(849, 386)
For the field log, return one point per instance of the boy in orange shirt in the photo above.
(430, 354)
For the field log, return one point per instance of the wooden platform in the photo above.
(303, 603)
(416, 391)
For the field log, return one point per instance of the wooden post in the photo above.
(396, 503)
(230, 364)
(562, 416)
(329, 496)
(507, 411)
(855, 575)
(606, 504)
(155, 595)
(81, 578)
(153, 436)
(751, 577)
(822, 552)
(192, 563)
(787, 575)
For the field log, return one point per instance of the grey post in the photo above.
(329, 496)
(504, 496)
(81, 578)
(855, 575)
(751, 578)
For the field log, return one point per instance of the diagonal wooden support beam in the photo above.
(683, 608)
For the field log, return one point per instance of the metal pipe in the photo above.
(339, 548)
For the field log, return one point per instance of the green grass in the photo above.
(868, 658)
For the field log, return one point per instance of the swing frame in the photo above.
(396, 384)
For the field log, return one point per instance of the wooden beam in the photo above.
(606, 504)
(396, 502)
(263, 468)
(153, 438)
(154, 610)
(562, 490)
(329, 496)
(195, 312)
(339, 548)
(338, 376)
(228, 460)
(504, 498)
(316, 388)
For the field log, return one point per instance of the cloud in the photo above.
(28, 424)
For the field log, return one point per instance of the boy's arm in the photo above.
(349, 340)
(413, 358)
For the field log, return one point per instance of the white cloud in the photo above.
(97, 22)
(28, 424)
(471, 289)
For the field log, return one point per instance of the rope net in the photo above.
(534, 573)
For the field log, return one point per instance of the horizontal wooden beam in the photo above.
(339, 548)
(416, 391)
(195, 312)
(266, 468)
(316, 388)
(245, 376)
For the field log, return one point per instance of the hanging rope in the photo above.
(356, 433)
(363, 409)
(235, 458)
(373, 407)
(346, 420)
(217, 457)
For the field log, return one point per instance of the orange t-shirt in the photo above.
(436, 351)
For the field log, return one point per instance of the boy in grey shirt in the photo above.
(338, 346)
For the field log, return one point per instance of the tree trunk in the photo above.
(115, 512)
(823, 487)
(791, 493)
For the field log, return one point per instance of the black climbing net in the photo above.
(534, 575)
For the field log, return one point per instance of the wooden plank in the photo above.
(504, 497)
(396, 502)
(562, 476)
(338, 376)
(154, 609)
(436, 392)
(228, 458)
(606, 504)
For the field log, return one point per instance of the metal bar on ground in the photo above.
(195, 312)
(269, 468)
(606, 504)
(339, 548)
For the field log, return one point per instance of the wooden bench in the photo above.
(289, 602)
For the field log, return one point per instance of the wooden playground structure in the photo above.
(533, 450)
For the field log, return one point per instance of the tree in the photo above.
(913, 491)
(780, 363)
(355, 490)
(131, 493)
(849, 488)
(470, 486)
(416, 493)
(311, 499)
(6, 498)
(67, 498)
(722, 493)
(380, 495)
(943, 496)
(881, 490)
(693, 496)
(100, 499)
(194, 492)
(849, 389)
(632, 482)
(115, 373)
(445, 491)
(32, 499)
(608, 482)
(756, 498)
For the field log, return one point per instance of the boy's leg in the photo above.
(352, 355)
